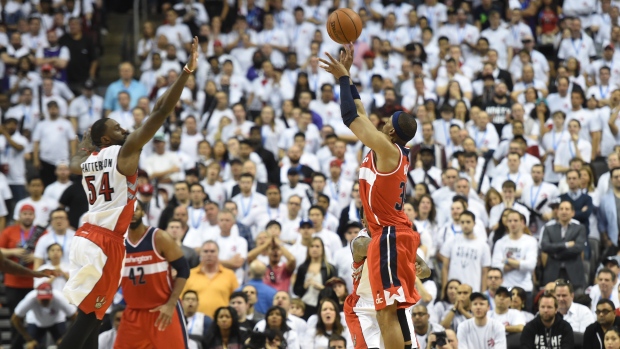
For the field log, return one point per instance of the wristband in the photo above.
(187, 70)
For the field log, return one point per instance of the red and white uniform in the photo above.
(359, 308)
(147, 284)
(98, 249)
(392, 251)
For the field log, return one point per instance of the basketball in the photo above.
(344, 26)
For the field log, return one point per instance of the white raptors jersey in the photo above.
(111, 195)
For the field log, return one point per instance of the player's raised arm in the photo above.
(351, 109)
(163, 107)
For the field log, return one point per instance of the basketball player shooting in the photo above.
(392, 251)
(108, 160)
(153, 317)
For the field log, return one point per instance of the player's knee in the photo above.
(387, 315)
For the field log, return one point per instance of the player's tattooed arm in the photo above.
(421, 269)
(9, 267)
(84, 149)
(360, 248)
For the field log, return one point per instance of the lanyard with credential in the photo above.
(556, 144)
(64, 241)
(195, 224)
(577, 47)
(518, 177)
(23, 239)
(446, 131)
(246, 209)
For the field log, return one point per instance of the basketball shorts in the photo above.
(361, 318)
(137, 330)
(391, 266)
(96, 259)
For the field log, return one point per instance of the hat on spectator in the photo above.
(503, 290)
(146, 189)
(353, 224)
(89, 84)
(292, 172)
(217, 43)
(47, 67)
(159, 138)
(335, 162)
(478, 295)
(142, 173)
(27, 208)
(44, 291)
(555, 202)
(304, 223)
(611, 260)
(609, 47)
(369, 54)
(335, 281)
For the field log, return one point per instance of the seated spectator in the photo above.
(548, 329)
(175, 229)
(312, 276)
(198, 324)
(481, 330)
(224, 331)
(519, 297)
(239, 302)
(337, 342)
(63, 181)
(577, 315)
(328, 324)
(447, 301)
(41, 205)
(511, 319)
(461, 311)
(422, 324)
(264, 292)
(252, 313)
(298, 308)
(278, 274)
(49, 313)
(283, 300)
(54, 261)
(593, 337)
(276, 319)
(107, 338)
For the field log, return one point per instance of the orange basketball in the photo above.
(344, 26)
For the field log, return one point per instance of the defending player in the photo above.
(383, 184)
(110, 176)
(153, 317)
(359, 309)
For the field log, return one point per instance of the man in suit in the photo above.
(564, 242)
(582, 202)
(607, 215)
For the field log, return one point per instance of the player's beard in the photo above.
(136, 224)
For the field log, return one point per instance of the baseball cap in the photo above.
(555, 202)
(611, 260)
(609, 47)
(503, 290)
(89, 84)
(146, 189)
(304, 223)
(335, 162)
(217, 43)
(47, 67)
(27, 208)
(159, 137)
(44, 291)
(477, 295)
(292, 172)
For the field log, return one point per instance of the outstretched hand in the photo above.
(192, 63)
(346, 58)
(333, 66)
(45, 273)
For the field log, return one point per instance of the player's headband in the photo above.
(399, 131)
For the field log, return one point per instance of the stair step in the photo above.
(4, 312)
(5, 324)
(5, 336)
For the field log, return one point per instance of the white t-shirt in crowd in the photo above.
(57, 311)
(467, 258)
(491, 336)
(525, 250)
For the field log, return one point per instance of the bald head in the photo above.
(257, 269)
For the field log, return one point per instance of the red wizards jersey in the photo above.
(383, 194)
(147, 281)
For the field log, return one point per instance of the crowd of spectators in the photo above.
(514, 182)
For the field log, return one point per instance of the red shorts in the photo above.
(97, 256)
(391, 266)
(137, 330)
